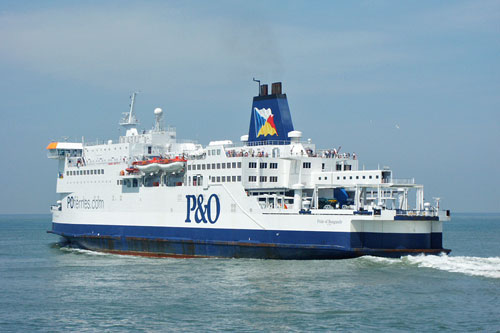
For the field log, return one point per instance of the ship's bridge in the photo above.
(61, 150)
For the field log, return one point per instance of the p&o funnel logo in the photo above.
(264, 122)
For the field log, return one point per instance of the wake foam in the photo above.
(474, 266)
(86, 252)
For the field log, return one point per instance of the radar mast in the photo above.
(129, 121)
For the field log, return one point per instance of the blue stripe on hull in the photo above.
(238, 243)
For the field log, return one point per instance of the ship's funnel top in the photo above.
(270, 119)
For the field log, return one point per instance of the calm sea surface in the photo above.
(44, 287)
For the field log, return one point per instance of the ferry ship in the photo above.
(272, 195)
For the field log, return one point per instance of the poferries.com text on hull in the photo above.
(271, 196)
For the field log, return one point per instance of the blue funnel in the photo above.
(271, 119)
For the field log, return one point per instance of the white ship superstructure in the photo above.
(271, 195)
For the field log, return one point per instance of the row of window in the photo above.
(85, 172)
(89, 182)
(225, 179)
(198, 180)
(357, 177)
(105, 149)
(262, 165)
(214, 166)
(214, 152)
(263, 179)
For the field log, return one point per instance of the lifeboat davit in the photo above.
(132, 170)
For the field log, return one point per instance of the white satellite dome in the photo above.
(158, 111)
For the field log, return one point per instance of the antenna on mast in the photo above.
(131, 113)
(129, 121)
(129, 117)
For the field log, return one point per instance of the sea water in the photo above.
(46, 287)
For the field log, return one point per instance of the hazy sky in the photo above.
(414, 85)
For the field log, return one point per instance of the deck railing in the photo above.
(400, 181)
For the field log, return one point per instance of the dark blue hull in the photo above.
(234, 243)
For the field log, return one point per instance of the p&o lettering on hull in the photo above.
(205, 213)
